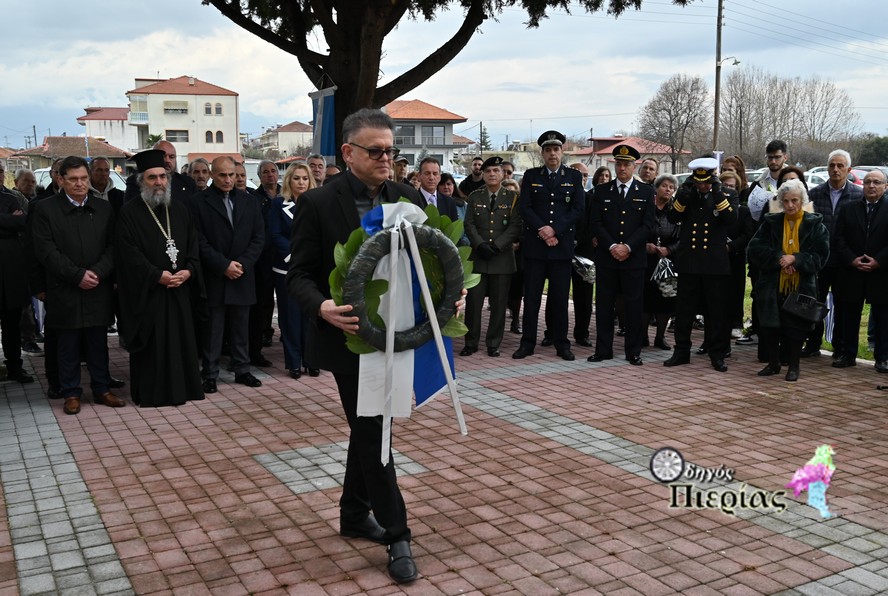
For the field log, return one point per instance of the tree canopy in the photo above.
(354, 31)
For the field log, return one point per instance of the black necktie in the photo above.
(551, 176)
(623, 190)
(870, 211)
(492, 201)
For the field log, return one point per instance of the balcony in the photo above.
(138, 118)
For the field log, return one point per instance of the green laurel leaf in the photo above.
(455, 231)
(356, 345)
(454, 328)
(471, 280)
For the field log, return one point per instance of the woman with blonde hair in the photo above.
(291, 320)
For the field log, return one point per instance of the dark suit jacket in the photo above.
(446, 206)
(819, 196)
(615, 220)
(559, 204)
(220, 243)
(13, 266)
(182, 187)
(851, 240)
(323, 217)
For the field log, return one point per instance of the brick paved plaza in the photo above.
(550, 493)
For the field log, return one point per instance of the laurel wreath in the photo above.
(344, 257)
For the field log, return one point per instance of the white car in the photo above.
(44, 179)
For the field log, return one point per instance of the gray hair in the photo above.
(316, 156)
(21, 172)
(792, 185)
(365, 118)
(264, 163)
(203, 161)
(92, 164)
(663, 178)
(843, 153)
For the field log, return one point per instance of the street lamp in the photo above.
(718, 66)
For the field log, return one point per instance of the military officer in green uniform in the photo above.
(493, 223)
(706, 213)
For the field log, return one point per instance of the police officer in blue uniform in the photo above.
(552, 201)
(706, 213)
(621, 219)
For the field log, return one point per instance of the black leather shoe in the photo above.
(493, 352)
(882, 367)
(844, 362)
(720, 365)
(769, 370)
(401, 567)
(247, 379)
(810, 350)
(515, 327)
(467, 351)
(20, 376)
(53, 393)
(584, 341)
(599, 357)
(547, 341)
(522, 353)
(634, 360)
(702, 350)
(313, 372)
(295, 373)
(369, 529)
(209, 386)
(567, 355)
(260, 361)
(661, 343)
(792, 375)
(116, 383)
(677, 360)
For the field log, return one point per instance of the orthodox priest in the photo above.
(157, 248)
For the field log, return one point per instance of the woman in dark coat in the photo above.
(661, 243)
(789, 248)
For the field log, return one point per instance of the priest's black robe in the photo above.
(156, 322)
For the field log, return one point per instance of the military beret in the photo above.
(492, 162)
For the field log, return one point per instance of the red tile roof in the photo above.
(461, 140)
(183, 85)
(644, 146)
(415, 109)
(294, 126)
(96, 113)
(53, 147)
(291, 159)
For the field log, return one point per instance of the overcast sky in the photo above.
(577, 73)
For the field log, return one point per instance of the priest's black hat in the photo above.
(152, 158)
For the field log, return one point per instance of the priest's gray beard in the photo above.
(155, 198)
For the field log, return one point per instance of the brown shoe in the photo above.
(72, 405)
(110, 400)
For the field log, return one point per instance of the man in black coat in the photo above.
(231, 234)
(101, 185)
(323, 217)
(860, 242)
(261, 331)
(706, 213)
(71, 236)
(14, 294)
(552, 201)
(828, 199)
(429, 177)
(182, 188)
(622, 220)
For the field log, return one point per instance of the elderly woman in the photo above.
(789, 249)
(292, 321)
(662, 242)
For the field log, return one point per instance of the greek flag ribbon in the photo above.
(387, 380)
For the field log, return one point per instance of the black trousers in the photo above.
(628, 283)
(536, 272)
(11, 333)
(368, 485)
(850, 313)
(260, 316)
(713, 291)
(238, 319)
(582, 299)
(94, 344)
(736, 291)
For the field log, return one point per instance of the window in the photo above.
(175, 107)
(176, 136)
(219, 136)
(432, 135)
(208, 109)
(218, 109)
(405, 135)
(209, 136)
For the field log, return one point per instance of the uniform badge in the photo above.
(567, 199)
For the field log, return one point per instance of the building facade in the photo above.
(423, 130)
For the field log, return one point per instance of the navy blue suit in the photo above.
(557, 201)
(629, 221)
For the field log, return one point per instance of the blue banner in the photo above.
(323, 112)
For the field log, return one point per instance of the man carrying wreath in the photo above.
(371, 505)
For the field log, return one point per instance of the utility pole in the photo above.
(34, 128)
(718, 66)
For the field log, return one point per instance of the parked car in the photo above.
(44, 179)
(856, 176)
(818, 169)
(813, 179)
(883, 169)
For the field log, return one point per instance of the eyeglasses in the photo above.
(507, 172)
(376, 154)
(872, 182)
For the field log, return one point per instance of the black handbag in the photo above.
(805, 307)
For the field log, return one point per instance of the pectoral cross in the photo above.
(171, 251)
